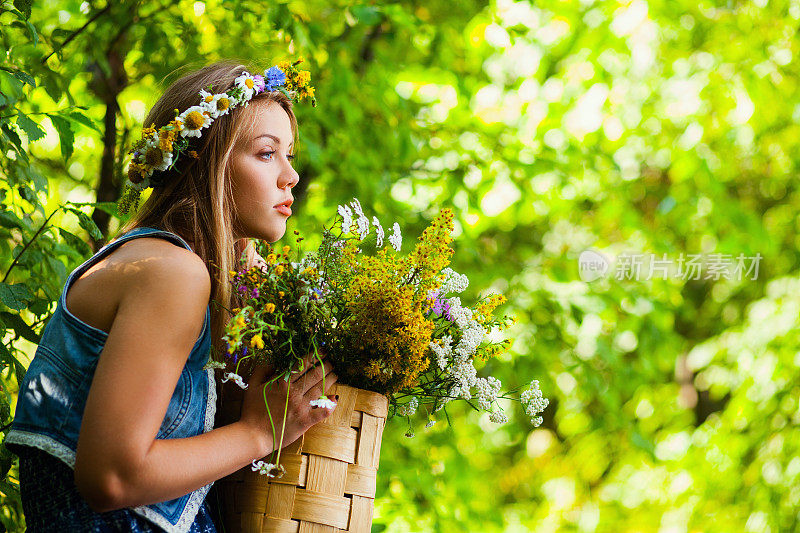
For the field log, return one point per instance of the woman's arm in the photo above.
(119, 461)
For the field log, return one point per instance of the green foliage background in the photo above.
(661, 127)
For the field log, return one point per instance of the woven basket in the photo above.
(329, 484)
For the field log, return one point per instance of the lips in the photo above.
(284, 207)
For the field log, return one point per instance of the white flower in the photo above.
(194, 119)
(261, 467)
(214, 364)
(347, 218)
(465, 376)
(443, 348)
(487, 391)
(409, 408)
(154, 156)
(217, 105)
(470, 340)
(357, 207)
(453, 281)
(395, 238)
(498, 417)
(430, 423)
(323, 402)
(362, 226)
(534, 403)
(236, 378)
(247, 84)
(378, 230)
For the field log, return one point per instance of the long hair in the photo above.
(194, 199)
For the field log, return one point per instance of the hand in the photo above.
(303, 386)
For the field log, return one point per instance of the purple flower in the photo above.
(274, 78)
(255, 292)
(236, 355)
(441, 307)
(259, 83)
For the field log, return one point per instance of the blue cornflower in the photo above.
(274, 77)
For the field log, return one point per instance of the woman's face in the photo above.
(262, 174)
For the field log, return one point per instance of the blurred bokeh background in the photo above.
(660, 127)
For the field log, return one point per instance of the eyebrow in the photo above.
(277, 140)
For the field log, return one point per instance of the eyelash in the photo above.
(290, 157)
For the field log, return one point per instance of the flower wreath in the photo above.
(160, 149)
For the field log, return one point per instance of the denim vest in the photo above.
(52, 396)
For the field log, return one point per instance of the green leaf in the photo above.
(82, 119)
(65, 134)
(24, 77)
(15, 322)
(12, 136)
(86, 222)
(10, 85)
(75, 242)
(31, 128)
(15, 296)
(368, 15)
(33, 32)
(108, 207)
(60, 35)
(24, 7)
(641, 442)
(8, 357)
(9, 219)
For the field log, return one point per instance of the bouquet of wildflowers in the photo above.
(390, 322)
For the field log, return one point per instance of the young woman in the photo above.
(114, 420)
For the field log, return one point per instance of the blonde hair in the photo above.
(194, 199)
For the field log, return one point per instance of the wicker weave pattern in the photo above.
(329, 484)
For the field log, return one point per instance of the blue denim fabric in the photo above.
(52, 503)
(53, 393)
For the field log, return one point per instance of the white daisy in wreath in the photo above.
(247, 83)
(194, 119)
(218, 104)
(154, 157)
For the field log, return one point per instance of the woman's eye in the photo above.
(270, 154)
(290, 157)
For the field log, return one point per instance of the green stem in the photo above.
(286, 407)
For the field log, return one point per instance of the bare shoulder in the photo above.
(164, 294)
(151, 262)
(146, 267)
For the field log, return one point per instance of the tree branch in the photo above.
(78, 32)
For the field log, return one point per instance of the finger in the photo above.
(315, 376)
(320, 413)
(316, 391)
(310, 364)
(303, 366)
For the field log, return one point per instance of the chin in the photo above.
(275, 232)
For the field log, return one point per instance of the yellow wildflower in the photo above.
(269, 308)
(257, 342)
(279, 270)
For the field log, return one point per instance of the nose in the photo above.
(289, 177)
